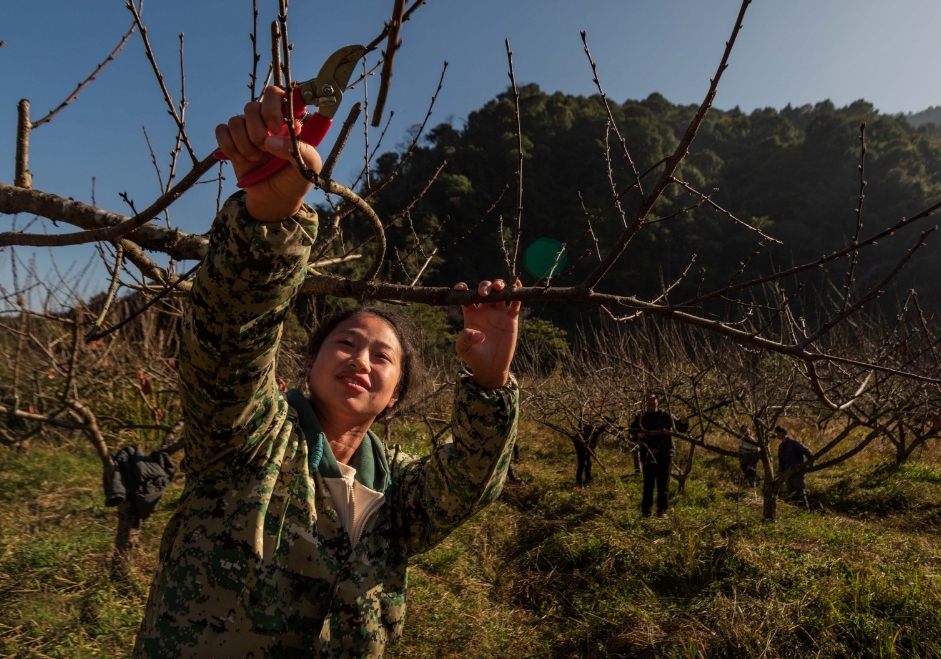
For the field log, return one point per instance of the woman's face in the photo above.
(355, 374)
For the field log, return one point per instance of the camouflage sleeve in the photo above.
(433, 495)
(231, 328)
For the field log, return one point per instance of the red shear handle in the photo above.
(312, 132)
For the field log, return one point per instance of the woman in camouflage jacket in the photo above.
(293, 533)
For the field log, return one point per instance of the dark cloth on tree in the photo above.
(656, 455)
(587, 438)
(749, 453)
(138, 478)
(749, 465)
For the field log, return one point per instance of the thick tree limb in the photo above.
(102, 225)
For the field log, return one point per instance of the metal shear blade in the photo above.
(326, 90)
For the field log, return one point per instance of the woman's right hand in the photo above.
(250, 140)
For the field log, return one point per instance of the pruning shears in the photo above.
(326, 92)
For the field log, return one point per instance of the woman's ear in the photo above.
(394, 399)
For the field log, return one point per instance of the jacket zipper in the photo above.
(353, 515)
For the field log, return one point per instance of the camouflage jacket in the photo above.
(255, 562)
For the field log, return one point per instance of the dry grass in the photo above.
(550, 570)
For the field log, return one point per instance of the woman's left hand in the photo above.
(488, 340)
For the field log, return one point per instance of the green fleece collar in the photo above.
(369, 460)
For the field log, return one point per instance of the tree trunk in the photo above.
(901, 454)
(127, 538)
(769, 490)
(770, 501)
(680, 483)
(682, 477)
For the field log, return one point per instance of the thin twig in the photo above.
(149, 303)
(372, 45)
(854, 255)
(363, 76)
(421, 270)
(517, 229)
(275, 54)
(87, 80)
(604, 98)
(672, 162)
(708, 200)
(109, 298)
(374, 189)
(289, 85)
(220, 178)
(255, 56)
(340, 144)
(181, 126)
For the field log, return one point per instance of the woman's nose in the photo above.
(358, 360)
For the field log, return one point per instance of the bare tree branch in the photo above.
(94, 74)
(181, 126)
(388, 57)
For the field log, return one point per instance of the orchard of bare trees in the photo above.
(848, 362)
(803, 340)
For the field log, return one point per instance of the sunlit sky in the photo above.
(790, 51)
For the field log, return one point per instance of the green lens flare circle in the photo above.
(545, 258)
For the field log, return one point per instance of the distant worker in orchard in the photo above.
(792, 453)
(586, 442)
(652, 433)
(749, 454)
(293, 534)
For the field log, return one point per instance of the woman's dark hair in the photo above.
(412, 368)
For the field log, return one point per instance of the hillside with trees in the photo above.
(793, 173)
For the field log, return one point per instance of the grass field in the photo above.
(549, 571)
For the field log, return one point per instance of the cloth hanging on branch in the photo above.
(139, 478)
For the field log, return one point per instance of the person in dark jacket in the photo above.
(790, 454)
(586, 442)
(651, 431)
(749, 453)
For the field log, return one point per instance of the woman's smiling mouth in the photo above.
(354, 382)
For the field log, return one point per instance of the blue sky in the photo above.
(790, 51)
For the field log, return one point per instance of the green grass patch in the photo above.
(549, 570)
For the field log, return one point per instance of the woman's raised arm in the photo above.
(258, 249)
(437, 493)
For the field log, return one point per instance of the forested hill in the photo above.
(929, 115)
(793, 172)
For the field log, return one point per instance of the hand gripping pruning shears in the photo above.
(325, 91)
